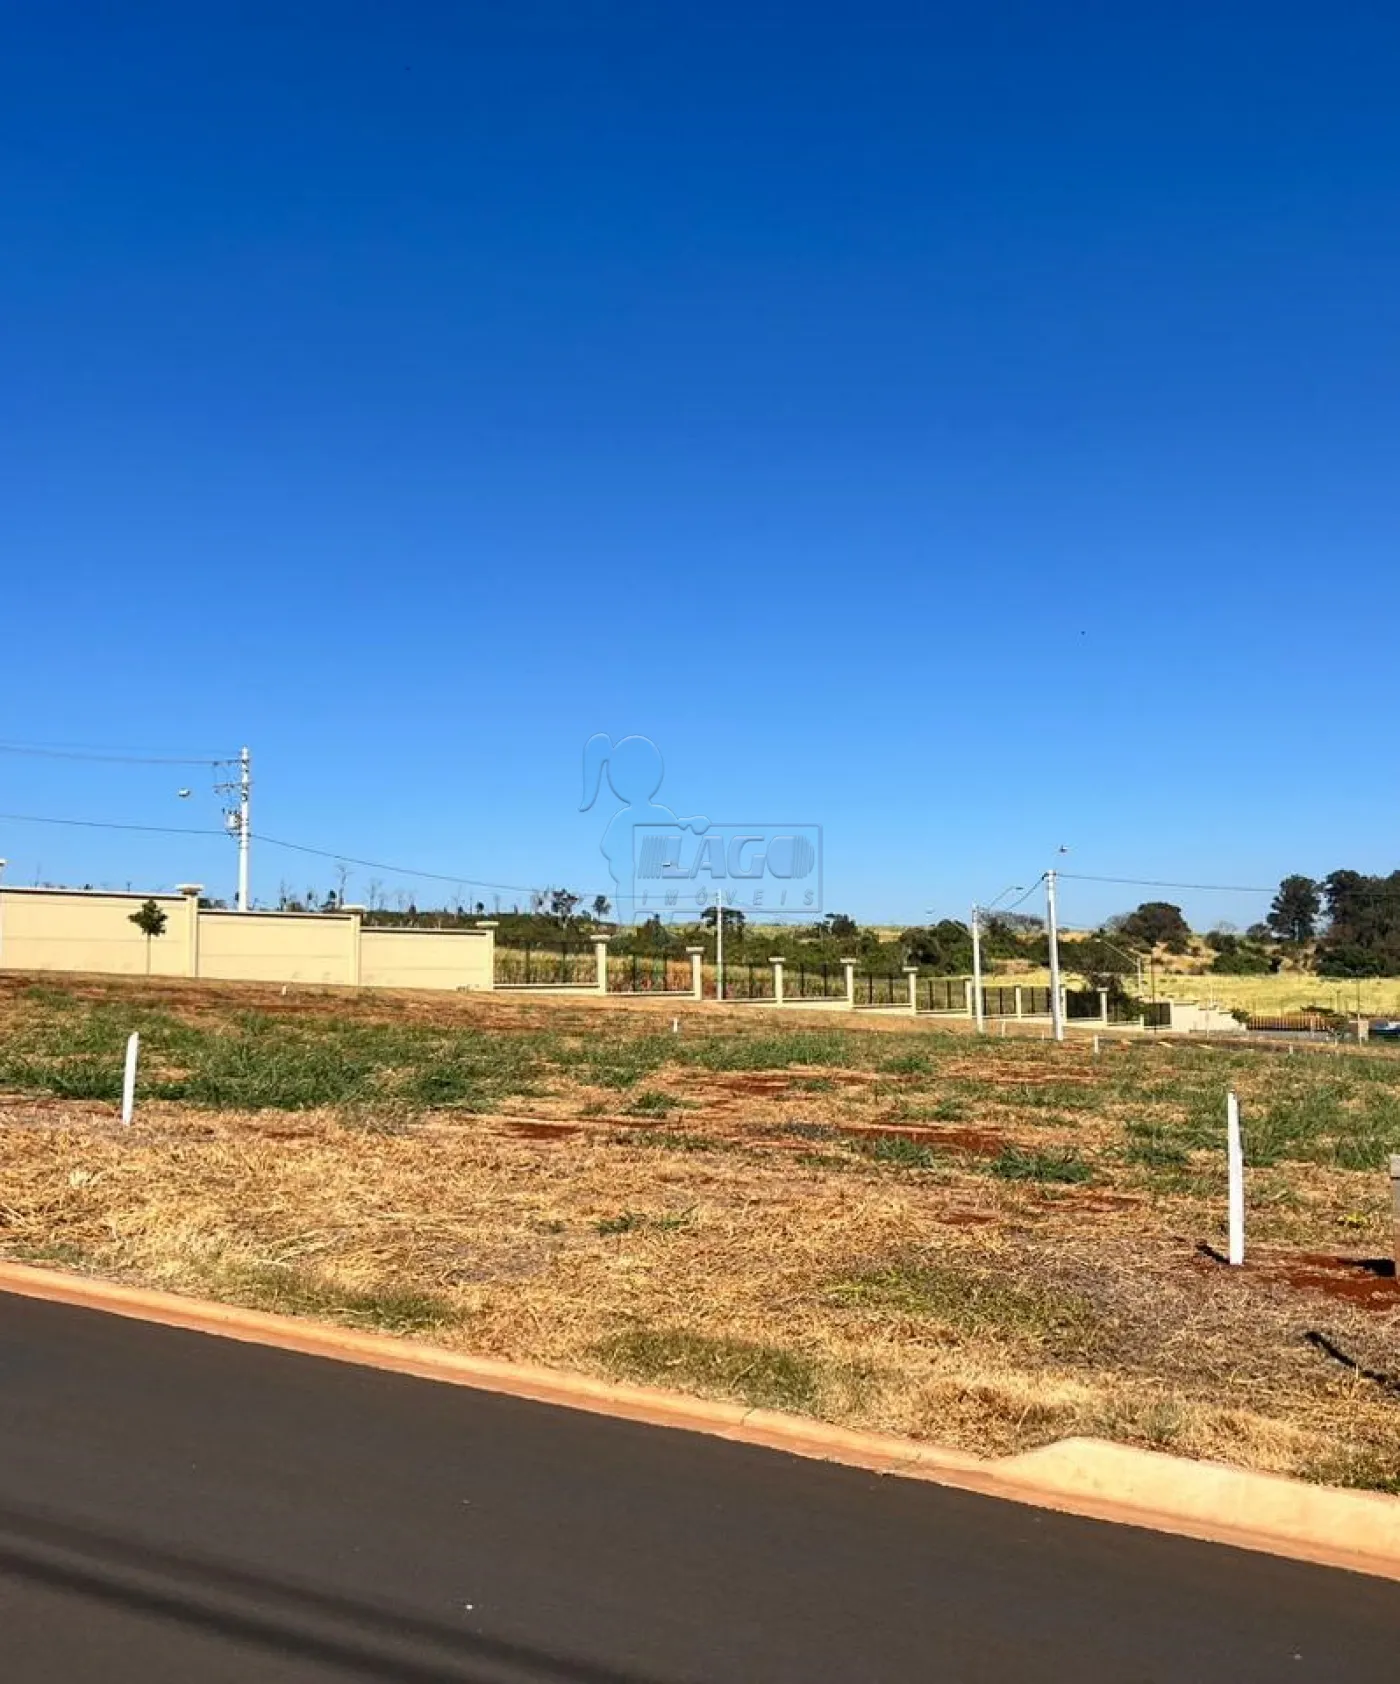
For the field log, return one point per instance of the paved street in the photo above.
(178, 1509)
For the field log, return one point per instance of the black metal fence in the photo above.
(888, 989)
(814, 982)
(648, 973)
(752, 981)
(1001, 1001)
(563, 964)
(942, 994)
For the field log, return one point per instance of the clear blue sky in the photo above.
(972, 429)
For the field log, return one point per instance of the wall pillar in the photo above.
(600, 954)
(1103, 1005)
(191, 893)
(777, 963)
(969, 1009)
(1020, 1010)
(489, 927)
(912, 972)
(849, 966)
(356, 922)
(697, 972)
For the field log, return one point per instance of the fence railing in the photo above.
(563, 964)
(942, 994)
(1081, 1003)
(648, 973)
(814, 982)
(886, 989)
(1293, 1023)
(748, 981)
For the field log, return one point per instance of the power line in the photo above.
(396, 870)
(1024, 898)
(112, 756)
(275, 842)
(108, 824)
(1157, 883)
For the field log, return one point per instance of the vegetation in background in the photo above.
(151, 920)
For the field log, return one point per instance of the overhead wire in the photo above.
(1158, 883)
(117, 757)
(276, 842)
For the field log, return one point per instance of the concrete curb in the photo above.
(1095, 1478)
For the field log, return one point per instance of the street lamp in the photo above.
(979, 1010)
(979, 1013)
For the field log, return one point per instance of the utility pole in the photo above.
(238, 817)
(978, 1004)
(719, 944)
(1056, 1015)
(245, 789)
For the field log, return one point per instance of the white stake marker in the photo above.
(129, 1077)
(1234, 1155)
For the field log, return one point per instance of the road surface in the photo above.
(181, 1509)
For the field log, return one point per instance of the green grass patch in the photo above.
(833, 1048)
(763, 1376)
(974, 1300)
(1153, 1148)
(300, 1292)
(1016, 1163)
(652, 1103)
(894, 1150)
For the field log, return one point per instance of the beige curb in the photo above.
(1092, 1477)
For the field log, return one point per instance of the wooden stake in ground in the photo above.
(1395, 1205)
(1234, 1156)
(133, 1047)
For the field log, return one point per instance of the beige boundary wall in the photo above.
(84, 930)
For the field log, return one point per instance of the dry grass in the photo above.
(813, 1219)
(1289, 991)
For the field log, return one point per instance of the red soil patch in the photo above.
(1367, 1283)
(1099, 1204)
(543, 1131)
(979, 1142)
(1371, 1284)
(758, 1084)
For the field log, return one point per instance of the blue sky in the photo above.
(971, 430)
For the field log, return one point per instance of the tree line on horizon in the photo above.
(1346, 924)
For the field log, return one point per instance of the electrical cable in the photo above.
(1157, 883)
(115, 756)
(108, 824)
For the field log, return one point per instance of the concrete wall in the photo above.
(1203, 1020)
(73, 930)
(79, 930)
(427, 959)
(278, 946)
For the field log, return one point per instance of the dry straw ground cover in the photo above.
(873, 1221)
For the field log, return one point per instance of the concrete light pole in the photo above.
(1057, 1019)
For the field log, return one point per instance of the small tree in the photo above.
(151, 920)
(1155, 923)
(1296, 909)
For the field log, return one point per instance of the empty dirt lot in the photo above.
(874, 1221)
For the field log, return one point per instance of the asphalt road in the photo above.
(180, 1509)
